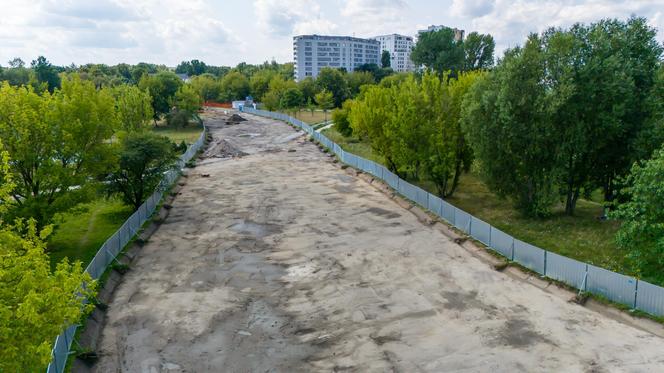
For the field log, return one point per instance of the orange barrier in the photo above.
(225, 105)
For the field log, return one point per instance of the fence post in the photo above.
(545, 260)
(512, 258)
(636, 292)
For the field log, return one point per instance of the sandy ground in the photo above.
(279, 261)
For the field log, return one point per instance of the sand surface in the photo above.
(280, 261)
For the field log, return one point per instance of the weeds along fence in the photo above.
(109, 251)
(626, 290)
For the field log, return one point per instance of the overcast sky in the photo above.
(225, 32)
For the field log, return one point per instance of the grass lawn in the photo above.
(83, 230)
(189, 134)
(307, 117)
(582, 237)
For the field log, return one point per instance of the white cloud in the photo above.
(472, 8)
(374, 17)
(288, 17)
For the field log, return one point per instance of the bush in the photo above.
(340, 119)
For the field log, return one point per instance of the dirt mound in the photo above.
(235, 119)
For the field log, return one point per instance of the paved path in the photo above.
(280, 261)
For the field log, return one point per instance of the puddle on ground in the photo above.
(249, 227)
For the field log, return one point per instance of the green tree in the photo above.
(260, 83)
(340, 118)
(333, 81)
(325, 101)
(162, 87)
(143, 159)
(357, 79)
(57, 143)
(478, 51)
(46, 73)
(291, 100)
(385, 59)
(207, 86)
(448, 153)
(641, 234)
(186, 105)
(234, 86)
(36, 303)
(308, 88)
(506, 122)
(134, 107)
(439, 51)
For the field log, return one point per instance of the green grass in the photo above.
(307, 117)
(81, 231)
(582, 237)
(352, 144)
(189, 134)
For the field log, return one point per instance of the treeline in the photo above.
(563, 116)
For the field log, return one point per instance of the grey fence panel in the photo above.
(447, 212)
(435, 204)
(407, 190)
(376, 170)
(614, 286)
(462, 220)
(650, 298)
(421, 197)
(481, 231)
(529, 256)
(391, 179)
(502, 242)
(337, 150)
(561, 268)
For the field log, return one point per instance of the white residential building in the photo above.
(458, 34)
(399, 47)
(314, 52)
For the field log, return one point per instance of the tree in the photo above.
(478, 51)
(377, 72)
(333, 81)
(134, 107)
(260, 83)
(162, 87)
(46, 73)
(207, 87)
(642, 231)
(448, 153)
(325, 101)
(234, 86)
(357, 79)
(291, 100)
(57, 143)
(37, 303)
(308, 88)
(385, 59)
(143, 159)
(340, 118)
(186, 105)
(506, 122)
(439, 51)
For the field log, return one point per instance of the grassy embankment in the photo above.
(80, 232)
(306, 116)
(582, 237)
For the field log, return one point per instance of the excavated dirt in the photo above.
(280, 261)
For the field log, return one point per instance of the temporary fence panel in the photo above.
(502, 242)
(435, 204)
(481, 231)
(407, 190)
(391, 179)
(614, 286)
(421, 197)
(462, 220)
(447, 212)
(529, 256)
(561, 268)
(650, 298)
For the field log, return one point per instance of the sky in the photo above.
(226, 32)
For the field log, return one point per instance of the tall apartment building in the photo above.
(399, 47)
(314, 52)
(458, 34)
